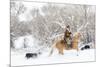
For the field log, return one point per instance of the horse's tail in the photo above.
(51, 51)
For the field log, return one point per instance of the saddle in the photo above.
(68, 39)
(68, 43)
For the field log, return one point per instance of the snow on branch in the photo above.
(83, 26)
(57, 37)
(60, 24)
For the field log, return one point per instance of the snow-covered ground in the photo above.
(18, 58)
(18, 54)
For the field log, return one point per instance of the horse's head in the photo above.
(77, 35)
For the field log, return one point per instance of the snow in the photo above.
(18, 54)
(18, 43)
(29, 41)
(69, 56)
(30, 5)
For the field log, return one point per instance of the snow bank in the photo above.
(19, 43)
(28, 41)
(68, 57)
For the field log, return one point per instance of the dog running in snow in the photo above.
(85, 47)
(32, 55)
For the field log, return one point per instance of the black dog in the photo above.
(31, 55)
(85, 47)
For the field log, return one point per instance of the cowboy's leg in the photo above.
(69, 42)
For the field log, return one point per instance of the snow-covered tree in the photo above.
(48, 22)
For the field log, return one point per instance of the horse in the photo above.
(61, 45)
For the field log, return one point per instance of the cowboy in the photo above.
(68, 36)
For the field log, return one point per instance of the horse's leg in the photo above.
(77, 51)
(61, 51)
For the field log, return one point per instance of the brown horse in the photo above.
(61, 45)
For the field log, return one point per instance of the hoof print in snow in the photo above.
(31, 55)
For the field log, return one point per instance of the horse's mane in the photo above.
(62, 41)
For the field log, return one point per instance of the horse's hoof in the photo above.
(77, 55)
